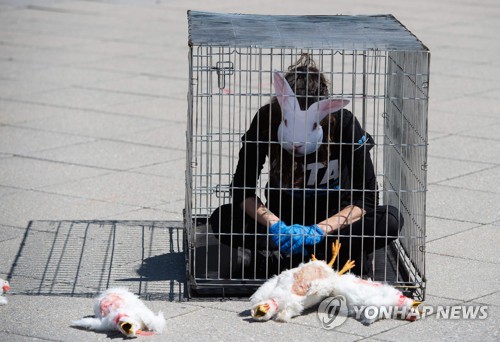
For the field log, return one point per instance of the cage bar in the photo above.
(373, 61)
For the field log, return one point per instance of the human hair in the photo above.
(309, 85)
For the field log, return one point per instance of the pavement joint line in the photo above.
(464, 258)
(403, 324)
(96, 111)
(65, 163)
(486, 295)
(482, 139)
(11, 226)
(96, 166)
(62, 10)
(491, 167)
(34, 337)
(176, 78)
(111, 91)
(94, 138)
(7, 240)
(464, 188)
(457, 233)
(456, 220)
(89, 199)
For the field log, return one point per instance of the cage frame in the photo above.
(398, 49)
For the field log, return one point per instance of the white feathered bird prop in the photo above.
(286, 295)
(117, 309)
(4, 287)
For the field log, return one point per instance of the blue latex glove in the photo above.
(291, 239)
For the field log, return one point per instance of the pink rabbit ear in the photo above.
(324, 107)
(284, 94)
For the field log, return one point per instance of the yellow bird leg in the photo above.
(313, 257)
(262, 310)
(415, 304)
(348, 265)
(335, 251)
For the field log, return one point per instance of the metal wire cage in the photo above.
(373, 61)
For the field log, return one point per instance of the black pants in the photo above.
(375, 230)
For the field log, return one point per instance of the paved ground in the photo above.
(92, 121)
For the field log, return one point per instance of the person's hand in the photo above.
(291, 239)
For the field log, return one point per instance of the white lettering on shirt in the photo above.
(316, 170)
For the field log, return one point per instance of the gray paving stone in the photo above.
(453, 87)
(207, 327)
(81, 98)
(168, 135)
(51, 57)
(141, 65)
(94, 124)
(122, 187)
(462, 204)
(16, 140)
(110, 155)
(150, 85)
(15, 69)
(5, 190)
(13, 88)
(82, 258)
(69, 76)
(19, 113)
(433, 329)
(165, 109)
(153, 214)
(446, 277)
(165, 169)
(22, 325)
(471, 244)
(441, 169)
(465, 148)
(442, 65)
(10, 240)
(480, 108)
(461, 123)
(483, 180)
(25, 173)
(23, 206)
(8, 255)
(483, 133)
(490, 299)
(438, 228)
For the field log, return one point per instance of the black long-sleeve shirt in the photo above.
(327, 186)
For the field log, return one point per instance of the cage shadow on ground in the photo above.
(83, 258)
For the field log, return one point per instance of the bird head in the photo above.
(130, 327)
(127, 325)
(5, 285)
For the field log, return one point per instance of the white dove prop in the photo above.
(120, 310)
(4, 287)
(288, 294)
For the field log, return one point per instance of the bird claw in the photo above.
(348, 266)
(335, 251)
(313, 257)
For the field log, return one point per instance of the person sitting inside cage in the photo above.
(321, 184)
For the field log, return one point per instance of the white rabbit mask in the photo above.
(300, 132)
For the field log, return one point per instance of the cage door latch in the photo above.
(223, 69)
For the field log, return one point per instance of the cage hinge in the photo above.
(223, 69)
(424, 166)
